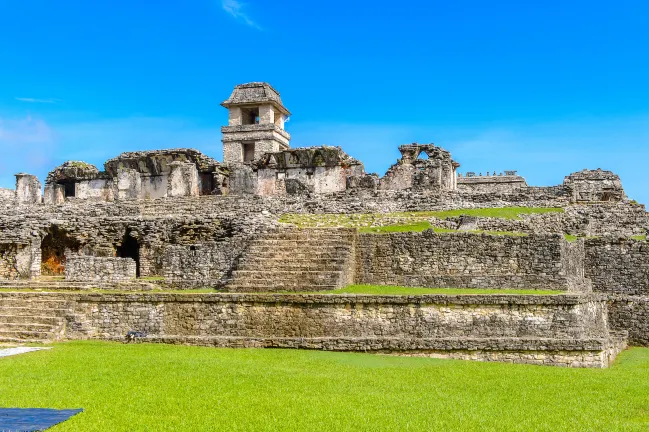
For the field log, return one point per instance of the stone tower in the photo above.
(255, 125)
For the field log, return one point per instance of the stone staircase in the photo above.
(296, 260)
(26, 318)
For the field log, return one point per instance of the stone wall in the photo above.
(101, 269)
(583, 220)
(19, 260)
(565, 330)
(618, 265)
(469, 260)
(630, 314)
(7, 194)
(491, 183)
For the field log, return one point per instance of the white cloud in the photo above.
(34, 100)
(236, 9)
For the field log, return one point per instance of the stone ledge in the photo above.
(443, 299)
(593, 353)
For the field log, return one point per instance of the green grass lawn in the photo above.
(402, 290)
(147, 387)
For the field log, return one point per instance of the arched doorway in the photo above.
(130, 248)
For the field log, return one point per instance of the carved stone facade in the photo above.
(594, 185)
(500, 183)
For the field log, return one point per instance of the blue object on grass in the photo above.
(32, 419)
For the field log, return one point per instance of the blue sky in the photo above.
(546, 88)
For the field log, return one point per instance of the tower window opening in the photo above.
(249, 116)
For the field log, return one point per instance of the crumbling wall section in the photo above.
(99, 269)
(7, 194)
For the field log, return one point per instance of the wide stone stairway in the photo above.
(296, 260)
(32, 318)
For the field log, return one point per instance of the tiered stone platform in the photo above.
(560, 330)
(296, 260)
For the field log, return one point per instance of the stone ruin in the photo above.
(594, 185)
(176, 219)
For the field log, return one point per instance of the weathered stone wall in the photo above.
(469, 260)
(594, 185)
(98, 189)
(618, 265)
(19, 260)
(313, 316)
(491, 184)
(7, 194)
(28, 189)
(102, 269)
(624, 220)
(630, 314)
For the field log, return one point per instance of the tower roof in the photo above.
(255, 93)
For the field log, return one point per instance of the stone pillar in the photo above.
(28, 189)
(129, 184)
(183, 180)
(266, 114)
(234, 116)
(54, 193)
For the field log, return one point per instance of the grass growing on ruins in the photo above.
(367, 220)
(422, 226)
(402, 290)
(147, 387)
(498, 212)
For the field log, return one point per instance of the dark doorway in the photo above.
(130, 248)
(69, 189)
(207, 183)
(53, 247)
(248, 152)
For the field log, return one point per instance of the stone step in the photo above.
(308, 247)
(27, 302)
(309, 238)
(32, 311)
(27, 327)
(291, 266)
(28, 319)
(256, 288)
(22, 335)
(314, 254)
(13, 340)
(280, 277)
(281, 274)
(297, 283)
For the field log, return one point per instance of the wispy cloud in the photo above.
(28, 144)
(34, 100)
(236, 9)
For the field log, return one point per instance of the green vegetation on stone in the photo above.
(498, 212)
(403, 290)
(417, 218)
(422, 226)
(411, 227)
(149, 387)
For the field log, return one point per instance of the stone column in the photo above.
(28, 189)
(129, 184)
(183, 180)
(54, 193)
